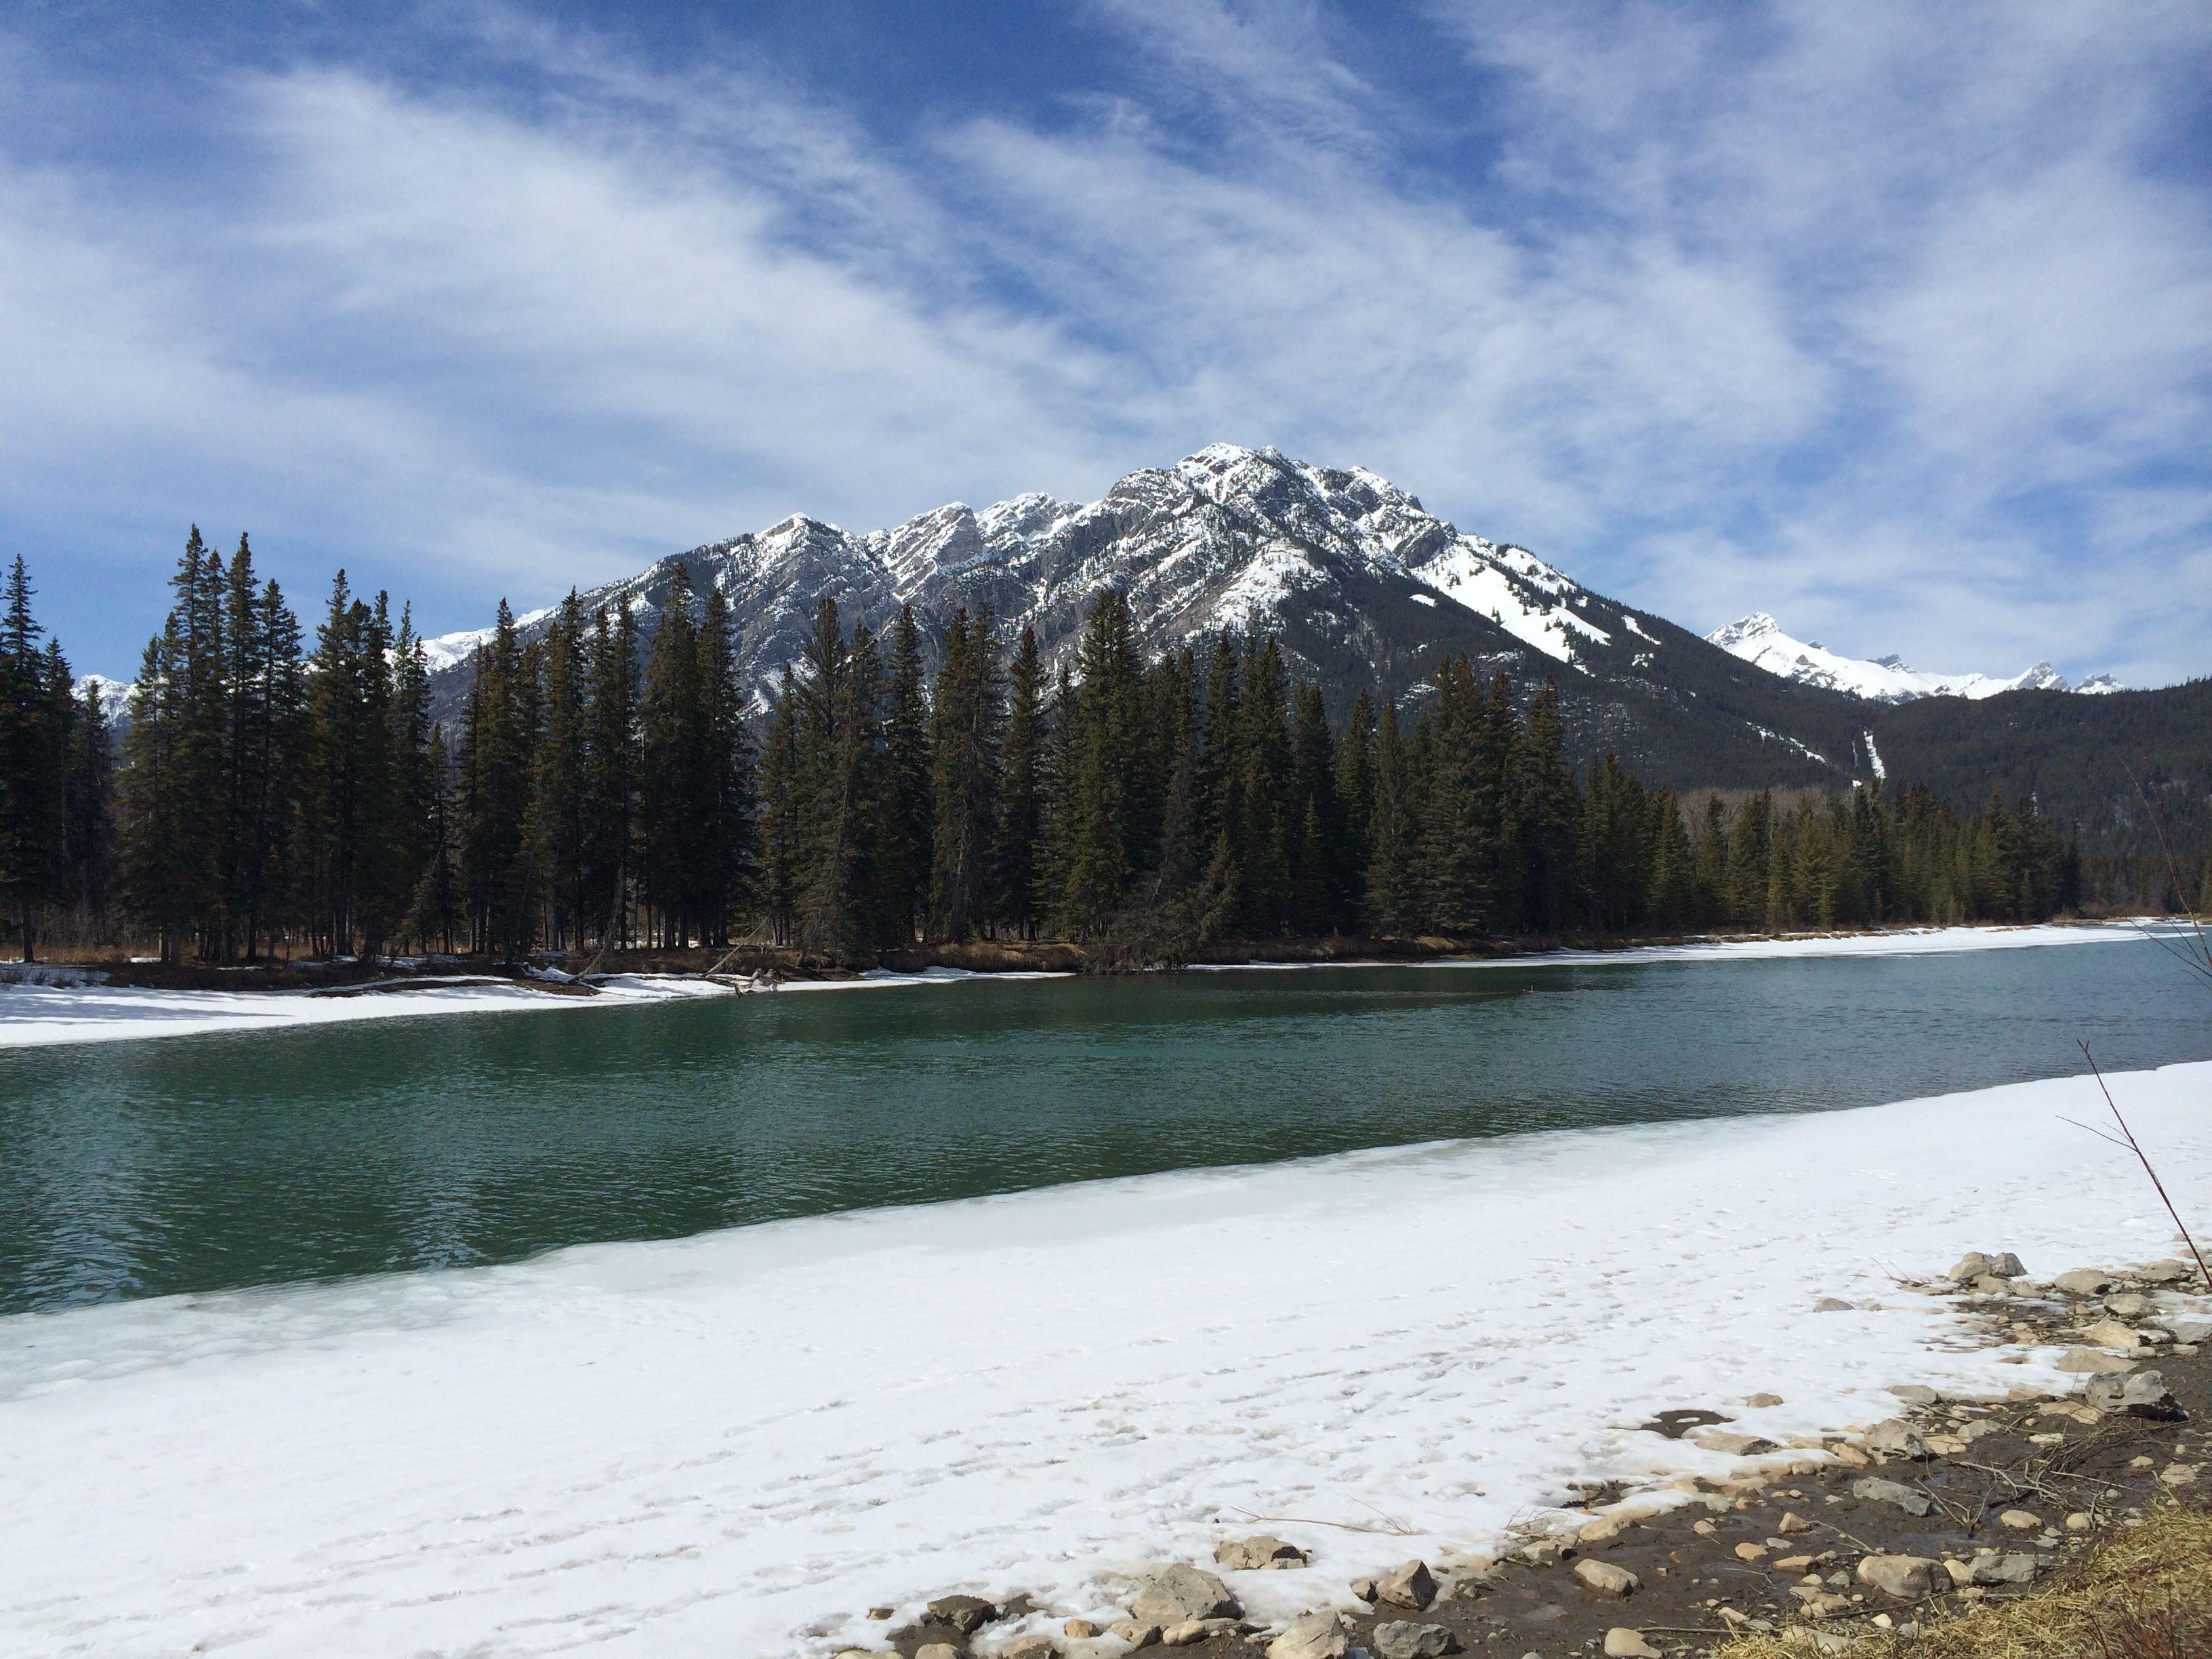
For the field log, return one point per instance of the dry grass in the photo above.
(2142, 1594)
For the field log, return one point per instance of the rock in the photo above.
(1184, 1593)
(2187, 1330)
(938, 1650)
(1916, 1394)
(1603, 1530)
(1314, 1636)
(1903, 1578)
(2088, 1361)
(1409, 1586)
(1603, 1578)
(965, 1613)
(2130, 1305)
(2113, 1333)
(880, 1613)
(1889, 1492)
(1403, 1639)
(1081, 1629)
(1760, 1402)
(2168, 1272)
(1029, 1647)
(1622, 1643)
(1752, 1553)
(1818, 1641)
(1849, 1456)
(1895, 1437)
(1363, 1589)
(1135, 1632)
(2177, 1474)
(1829, 1304)
(2140, 1394)
(2083, 1281)
(1187, 1632)
(1986, 1569)
(865, 1653)
(1731, 1445)
(1544, 1551)
(1793, 1523)
(2020, 1520)
(1258, 1554)
(2080, 1520)
(1974, 1265)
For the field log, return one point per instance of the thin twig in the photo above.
(1395, 1529)
(2136, 1147)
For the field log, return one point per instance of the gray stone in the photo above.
(1136, 1633)
(1603, 1578)
(1895, 1437)
(1313, 1636)
(1731, 1445)
(1184, 1593)
(938, 1650)
(2140, 1394)
(1916, 1394)
(1258, 1554)
(1363, 1589)
(1761, 1401)
(2187, 1330)
(1974, 1265)
(1031, 1647)
(1401, 1638)
(2130, 1305)
(1903, 1578)
(2168, 1272)
(1189, 1632)
(2112, 1333)
(965, 1613)
(2001, 1570)
(1411, 1585)
(1622, 1643)
(1830, 1304)
(2083, 1281)
(1889, 1492)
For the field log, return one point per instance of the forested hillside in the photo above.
(593, 789)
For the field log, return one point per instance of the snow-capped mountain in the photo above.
(1758, 640)
(114, 696)
(1361, 584)
(1347, 567)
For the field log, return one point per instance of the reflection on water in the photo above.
(131, 1169)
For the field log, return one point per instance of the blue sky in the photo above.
(1896, 322)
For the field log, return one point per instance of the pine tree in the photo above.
(496, 739)
(672, 748)
(555, 830)
(35, 715)
(91, 811)
(610, 777)
(1391, 906)
(727, 849)
(964, 746)
(906, 833)
(1021, 761)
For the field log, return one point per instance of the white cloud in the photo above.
(1894, 322)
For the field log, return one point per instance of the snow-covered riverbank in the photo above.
(736, 1442)
(33, 1016)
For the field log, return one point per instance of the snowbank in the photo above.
(736, 1443)
(37, 1015)
(34, 1016)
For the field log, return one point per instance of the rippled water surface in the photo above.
(139, 1169)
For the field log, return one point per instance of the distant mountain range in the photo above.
(1760, 641)
(1362, 584)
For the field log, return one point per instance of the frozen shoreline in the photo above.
(736, 1442)
(38, 1016)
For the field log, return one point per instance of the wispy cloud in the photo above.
(1897, 323)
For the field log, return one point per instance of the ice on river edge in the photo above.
(40, 1015)
(736, 1442)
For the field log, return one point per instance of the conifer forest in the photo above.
(281, 793)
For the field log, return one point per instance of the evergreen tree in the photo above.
(964, 745)
(1021, 791)
(35, 717)
(494, 785)
(556, 830)
(907, 855)
(610, 776)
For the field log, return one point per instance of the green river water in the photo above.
(140, 1168)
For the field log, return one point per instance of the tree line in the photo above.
(597, 791)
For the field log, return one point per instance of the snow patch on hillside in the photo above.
(1483, 578)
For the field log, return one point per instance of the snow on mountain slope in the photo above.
(1758, 640)
(1344, 565)
(114, 694)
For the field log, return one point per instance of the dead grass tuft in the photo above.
(2145, 1593)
